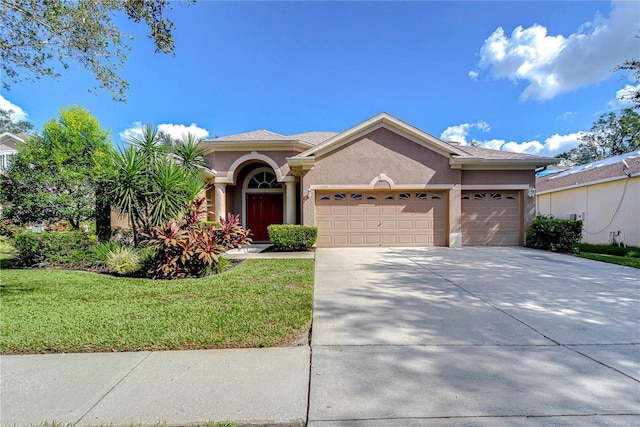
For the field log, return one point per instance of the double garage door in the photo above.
(350, 218)
(414, 218)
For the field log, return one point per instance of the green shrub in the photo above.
(9, 229)
(102, 250)
(560, 235)
(124, 260)
(292, 237)
(56, 248)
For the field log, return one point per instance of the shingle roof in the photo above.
(256, 135)
(313, 138)
(487, 153)
(611, 167)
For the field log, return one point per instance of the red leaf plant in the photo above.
(191, 248)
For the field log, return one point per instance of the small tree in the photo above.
(149, 184)
(54, 175)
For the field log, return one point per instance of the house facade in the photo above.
(605, 195)
(9, 147)
(382, 182)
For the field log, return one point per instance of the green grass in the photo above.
(258, 303)
(7, 252)
(613, 259)
(629, 256)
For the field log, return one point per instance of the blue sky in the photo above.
(517, 76)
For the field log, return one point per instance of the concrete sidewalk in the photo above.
(254, 386)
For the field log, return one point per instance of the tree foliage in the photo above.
(632, 66)
(612, 134)
(8, 124)
(54, 175)
(151, 182)
(40, 36)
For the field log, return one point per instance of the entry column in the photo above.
(290, 202)
(221, 201)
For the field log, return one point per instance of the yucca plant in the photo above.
(150, 184)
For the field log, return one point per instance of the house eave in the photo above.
(476, 163)
(212, 145)
(301, 163)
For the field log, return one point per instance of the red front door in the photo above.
(263, 210)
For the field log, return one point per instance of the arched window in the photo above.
(263, 180)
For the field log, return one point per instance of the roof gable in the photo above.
(387, 121)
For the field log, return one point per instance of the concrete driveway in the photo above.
(473, 336)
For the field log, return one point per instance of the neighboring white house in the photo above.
(8, 147)
(604, 194)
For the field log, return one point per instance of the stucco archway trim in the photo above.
(254, 155)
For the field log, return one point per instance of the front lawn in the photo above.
(613, 259)
(628, 256)
(259, 303)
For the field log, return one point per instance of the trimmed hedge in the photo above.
(57, 248)
(291, 237)
(559, 235)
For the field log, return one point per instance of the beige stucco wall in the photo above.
(400, 161)
(406, 163)
(224, 160)
(599, 206)
(498, 177)
(120, 221)
(381, 151)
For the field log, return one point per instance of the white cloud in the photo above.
(623, 97)
(18, 113)
(529, 147)
(459, 133)
(473, 74)
(493, 144)
(551, 146)
(135, 131)
(555, 64)
(176, 131)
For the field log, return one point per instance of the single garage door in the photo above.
(491, 218)
(352, 218)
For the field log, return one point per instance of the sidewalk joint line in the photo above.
(112, 388)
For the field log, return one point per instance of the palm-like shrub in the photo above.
(151, 182)
(189, 248)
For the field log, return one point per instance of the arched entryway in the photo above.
(262, 202)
